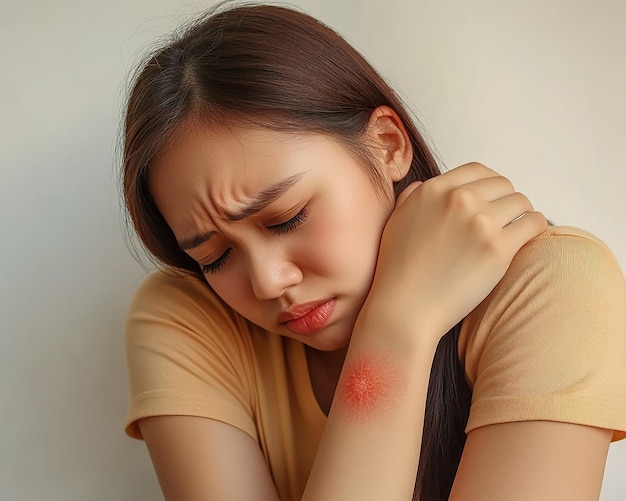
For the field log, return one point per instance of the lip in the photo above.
(307, 318)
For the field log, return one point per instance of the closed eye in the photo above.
(217, 265)
(291, 224)
(277, 229)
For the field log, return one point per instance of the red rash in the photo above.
(365, 386)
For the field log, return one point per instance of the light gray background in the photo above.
(534, 89)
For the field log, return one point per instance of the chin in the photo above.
(331, 340)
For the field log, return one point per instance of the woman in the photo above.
(337, 317)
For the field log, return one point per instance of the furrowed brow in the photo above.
(258, 203)
(265, 197)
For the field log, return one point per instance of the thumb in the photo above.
(406, 192)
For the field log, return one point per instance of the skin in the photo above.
(375, 276)
(269, 271)
(366, 387)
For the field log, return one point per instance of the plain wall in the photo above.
(534, 89)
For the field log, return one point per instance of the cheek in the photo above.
(233, 287)
(336, 246)
(348, 236)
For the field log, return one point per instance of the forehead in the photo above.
(229, 153)
(227, 162)
(210, 171)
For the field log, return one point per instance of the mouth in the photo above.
(307, 318)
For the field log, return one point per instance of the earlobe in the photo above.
(386, 131)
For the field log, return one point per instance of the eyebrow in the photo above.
(265, 197)
(257, 204)
(195, 240)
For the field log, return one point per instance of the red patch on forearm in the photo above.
(365, 386)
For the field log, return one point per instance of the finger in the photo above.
(467, 173)
(507, 209)
(525, 228)
(490, 188)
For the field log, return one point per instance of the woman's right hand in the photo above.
(448, 242)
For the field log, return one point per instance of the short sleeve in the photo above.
(549, 343)
(187, 354)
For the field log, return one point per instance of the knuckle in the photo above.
(474, 165)
(480, 170)
(539, 221)
(524, 202)
(460, 199)
(507, 184)
(486, 234)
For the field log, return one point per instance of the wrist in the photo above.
(409, 326)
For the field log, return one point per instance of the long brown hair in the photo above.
(279, 68)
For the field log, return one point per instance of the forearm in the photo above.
(450, 237)
(371, 443)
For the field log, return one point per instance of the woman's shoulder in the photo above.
(564, 259)
(169, 290)
(564, 272)
(171, 285)
(564, 264)
(560, 242)
(563, 287)
(182, 303)
(187, 353)
(548, 342)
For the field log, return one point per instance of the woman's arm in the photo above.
(197, 458)
(446, 245)
(532, 460)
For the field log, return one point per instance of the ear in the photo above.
(390, 142)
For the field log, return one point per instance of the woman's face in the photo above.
(286, 227)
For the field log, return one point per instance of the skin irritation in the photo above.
(365, 387)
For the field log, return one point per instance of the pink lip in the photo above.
(307, 318)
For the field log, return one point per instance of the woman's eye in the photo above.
(290, 225)
(278, 229)
(217, 265)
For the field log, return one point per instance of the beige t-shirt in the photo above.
(549, 343)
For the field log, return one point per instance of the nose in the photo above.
(271, 274)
